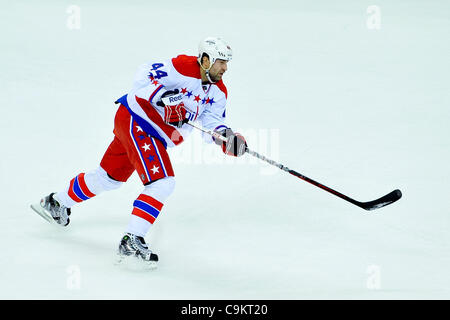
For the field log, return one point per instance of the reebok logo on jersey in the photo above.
(172, 99)
(175, 99)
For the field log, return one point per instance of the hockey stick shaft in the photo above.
(301, 176)
(370, 205)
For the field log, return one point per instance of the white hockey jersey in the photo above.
(204, 103)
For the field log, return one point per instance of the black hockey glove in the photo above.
(235, 144)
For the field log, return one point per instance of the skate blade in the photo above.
(135, 264)
(40, 211)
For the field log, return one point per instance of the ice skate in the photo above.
(135, 251)
(51, 210)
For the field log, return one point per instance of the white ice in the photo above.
(364, 111)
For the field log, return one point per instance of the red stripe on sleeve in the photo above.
(154, 93)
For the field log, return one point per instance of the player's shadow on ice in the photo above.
(92, 236)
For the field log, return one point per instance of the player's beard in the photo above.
(215, 77)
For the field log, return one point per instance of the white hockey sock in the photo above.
(85, 186)
(148, 205)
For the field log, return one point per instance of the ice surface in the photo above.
(363, 111)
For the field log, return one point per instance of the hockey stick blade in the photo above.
(370, 205)
(381, 202)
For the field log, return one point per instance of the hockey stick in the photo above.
(369, 205)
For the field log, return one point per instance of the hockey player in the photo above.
(151, 117)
